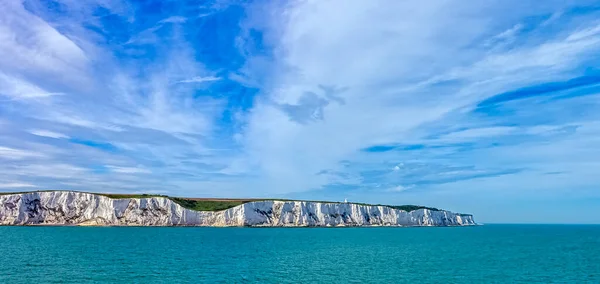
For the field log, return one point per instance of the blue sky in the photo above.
(486, 107)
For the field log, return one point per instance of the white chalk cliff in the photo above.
(86, 209)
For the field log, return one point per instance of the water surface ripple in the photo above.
(483, 254)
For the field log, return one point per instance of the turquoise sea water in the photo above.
(484, 254)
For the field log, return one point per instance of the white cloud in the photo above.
(19, 89)
(47, 133)
(173, 20)
(398, 167)
(399, 188)
(49, 169)
(400, 72)
(199, 79)
(128, 170)
(76, 120)
(477, 133)
(113, 100)
(17, 154)
(505, 37)
(108, 99)
(584, 34)
(37, 47)
(16, 185)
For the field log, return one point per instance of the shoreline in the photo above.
(70, 208)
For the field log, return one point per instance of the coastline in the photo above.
(70, 208)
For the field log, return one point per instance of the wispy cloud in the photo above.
(199, 79)
(47, 133)
(128, 170)
(476, 134)
(505, 37)
(18, 89)
(17, 154)
(390, 98)
(15, 185)
(173, 20)
(37, 48)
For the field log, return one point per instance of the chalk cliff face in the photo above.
(86, 209)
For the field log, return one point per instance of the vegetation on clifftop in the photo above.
(411, 207)
(207, 205)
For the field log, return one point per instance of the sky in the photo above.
(486, 107)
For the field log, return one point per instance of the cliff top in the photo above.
(217, 204)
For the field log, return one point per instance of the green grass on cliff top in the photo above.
(207, 205)
(210, 204)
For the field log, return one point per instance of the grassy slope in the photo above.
(222, 204)
(207, 205)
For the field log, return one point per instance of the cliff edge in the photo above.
(87, 209)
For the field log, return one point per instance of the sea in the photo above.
(478, 254)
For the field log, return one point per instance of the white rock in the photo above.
(86, 209)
